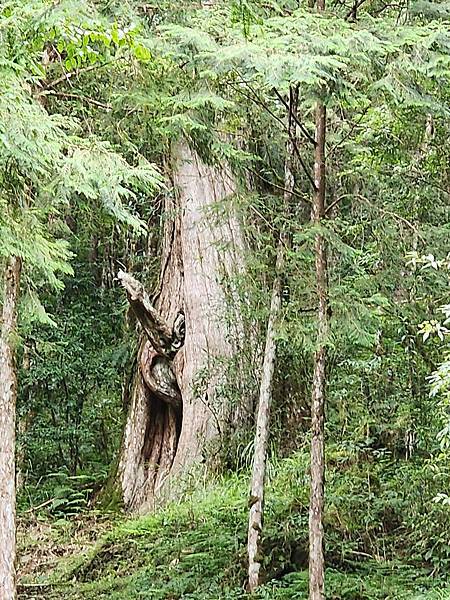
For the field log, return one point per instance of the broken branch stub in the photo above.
(164, 340)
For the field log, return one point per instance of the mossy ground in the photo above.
(195, 549)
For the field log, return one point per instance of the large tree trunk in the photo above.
(255, 521)
(8, 392)
(202, 249)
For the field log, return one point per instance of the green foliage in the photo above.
(440, 378)
(44, 166)
(72, 493)
(62, 38)
(91, 94)
(70, 401)
(195, 548)
(430, 9)
(321, 53)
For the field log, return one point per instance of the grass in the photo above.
(195, 549)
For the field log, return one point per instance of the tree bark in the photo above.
(316, 537)
(201, 250)
(255, 522)
(8, 393)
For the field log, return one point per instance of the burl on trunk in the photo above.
(175, 406)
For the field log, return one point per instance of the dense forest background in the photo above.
(114, 114)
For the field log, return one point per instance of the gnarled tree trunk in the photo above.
(167, 432)
(8, 393)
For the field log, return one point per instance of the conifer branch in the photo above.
(348, 134)
(87, 99)
(255, 98)
(68, 75)
(275, 185)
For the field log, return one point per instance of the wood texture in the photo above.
(8, 393)
(202, 247)
(316, 537)
(255, 522)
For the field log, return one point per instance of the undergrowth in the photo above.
(378, 531)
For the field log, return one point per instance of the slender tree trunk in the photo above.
(23, 426)
(8, 392)
(316, 506)
(316, 537)
(255, 521)
(202, 248)
(316, 556)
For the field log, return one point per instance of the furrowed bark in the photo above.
(256, 502)
(8, 394)
(316, 537)
(166, 434)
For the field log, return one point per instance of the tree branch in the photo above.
(255, 98)
(349, 133)
(335, 203)
(392, 214)
(276, 185)
(304, 167)
(67, 76)
(157, 330)
(87, 99)
(352, 13)
(296, 119)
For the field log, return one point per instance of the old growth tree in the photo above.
(206, 92)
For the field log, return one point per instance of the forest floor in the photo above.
(45, 544)
(194, 549)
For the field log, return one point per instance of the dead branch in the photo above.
(155, 327)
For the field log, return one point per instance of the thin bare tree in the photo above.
(255, 521)
(8, 395)
(316, 506)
